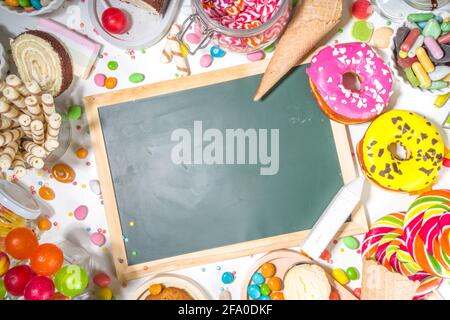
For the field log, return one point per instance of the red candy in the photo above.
(406, 62)
(39, 288)
(410, 39)
(114, 20)
(17, 278)
(362, 9)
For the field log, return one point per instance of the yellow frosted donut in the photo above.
(423, 146)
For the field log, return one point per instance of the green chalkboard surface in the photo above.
(181, 187)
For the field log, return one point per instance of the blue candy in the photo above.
(439, 19)
(421, 24)
(258, 278)
(264, 298)
(254, 292)
(216, 52)
(227, 277)
(36, 4)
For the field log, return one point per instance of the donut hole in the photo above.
(399, 151)
(351, 81)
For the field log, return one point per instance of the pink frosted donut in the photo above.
(336, 99)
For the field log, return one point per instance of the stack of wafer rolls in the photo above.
(29, 125)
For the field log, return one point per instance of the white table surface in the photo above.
(74, 13)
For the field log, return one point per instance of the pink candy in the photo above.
(206, 60)
(98, 239)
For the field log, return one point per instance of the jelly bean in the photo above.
(433, 48)
(46, 193)
(421, 75)
(136, 77)
(357, 292)
(439, 19)
(255, 56)
(410, 40)
(275, 283)
(268, 270)
(334, 295)
(444, 39)
(253, 291)
(421, 24)
(206, 60)
(432, 29)
(12, 3)
(400, 36)
(418, 17)
(216, 52)
(352, 273)
(381, 37)
(340, 276)
(417, 44)
(441, 100)
(74, 112)
(24, 3)
(264, 298)
(183, 50)
(351, 242)
(110, 82)
(227, 277)
(325, 255)
(81, 153)
(265, 289)
(445, 27)
(446, 58)
(113, 65)
(104, 294)
(362, 9)
(270, 48)
(103, 280)
(4, 263)
(193, 38)
(44, 224)
(94, 185)
(63, 173)
(155, 289)
(412, 79)
(362, 31)
(438, 85)
(277, 296)
(439, 73)
(81, 212)
(406, 62)
(99, 79)
(424, 60)
(97, 239)
(258, 278)
(36, 4)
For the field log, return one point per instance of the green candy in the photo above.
(74, 112)
(71, 280)
(113, 65)
(419, 17)
(270, 48)
(362, 31)
(136, 77)
(412, 79)
(432, 29)
(24, 3)
(352, 273)
(445, 27)
(2, 290)
(265, 290)
(437, 85)
(351, 242)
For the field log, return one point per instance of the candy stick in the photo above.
(18, 165)
(34, 149)
(10, 136)
(33, 87)
(8, 111)
(33, 161)
(166, 54)
(37, 131)
(14, 81)
(48, 105)
(5, 123)
(51, 145)
(53, 126)
(14, 96)
(8, 154)
(25, 121)
(180, 61)
(32, 104)
(441, 100)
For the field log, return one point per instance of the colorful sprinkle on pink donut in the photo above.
(344, 104)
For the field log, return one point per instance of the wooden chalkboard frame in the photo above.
(356, 225)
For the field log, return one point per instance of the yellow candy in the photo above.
(424, 59)
(184, 52)
(447, 78)
(340, 276)
(403, 54)
(441, 100)
(422, 76)
(104, 294)
(12, 3)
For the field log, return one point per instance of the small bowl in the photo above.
(4, 66)
(398, 72)
(52, 6)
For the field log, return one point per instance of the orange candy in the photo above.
(334, 295)
(268, 270)
(20, 243)
(155, 289)
(277, 296)
(81, 153)
(44, 224)
(110, 82)
(63, 173)
(46, 193)
(46, 259)
(275, 284)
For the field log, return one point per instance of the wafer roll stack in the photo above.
(8, 111)
(35, 111)
(51, 145)
(53, 126)
(18, 166)
(2, 86)
(48, 104)
(180, 61)
(14, 81)
(5, 123)
(9, 136)
(33, 87)
(14, 96)
(25, 122)
(33, 161)
(8, 154)
(34, 149)
(37, 131)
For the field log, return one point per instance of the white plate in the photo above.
(52, 6)
(146, 28)
(4, 66)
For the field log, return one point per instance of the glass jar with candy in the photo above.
(242, 26)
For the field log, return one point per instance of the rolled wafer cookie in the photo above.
(8, 111)
(7, 155)
(24, 122)
(33, 87)
(48, 104)
(33, 161)
(34, 149)
(166, 54)
(53, 126)
(9, 136)
(37, 131)
(51, 145)
(33, 107)
(5, 123)
(18, 165)
(15, 97)
(14, 81)
(2, 85)
(180, 61)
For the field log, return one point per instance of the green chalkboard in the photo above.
(180, 190)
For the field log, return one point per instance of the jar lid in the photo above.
(18, 200)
